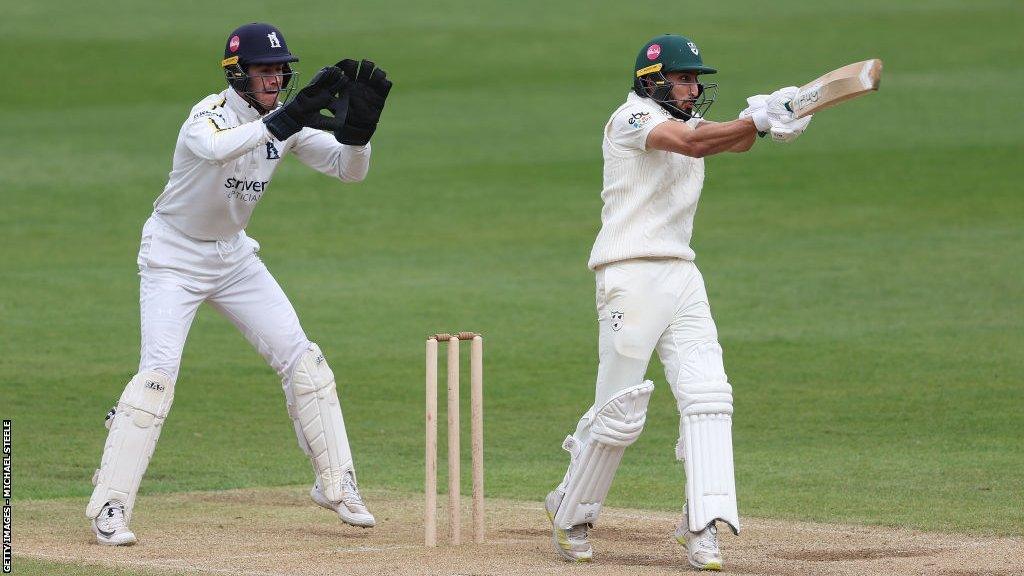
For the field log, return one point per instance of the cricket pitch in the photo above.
(280, 532)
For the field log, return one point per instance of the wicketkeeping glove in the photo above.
(366, 96)
(304, 109)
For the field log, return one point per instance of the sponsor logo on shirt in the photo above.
(639, 119)
(245, 190)
(209, 114)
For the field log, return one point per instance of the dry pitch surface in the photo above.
(270, 532)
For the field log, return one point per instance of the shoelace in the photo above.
(114, 517)
(351, 493)
(578, 532)
(709, 540)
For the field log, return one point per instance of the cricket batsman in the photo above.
(194, 249)
(651, 296)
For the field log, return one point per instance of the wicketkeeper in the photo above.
(650, 296)
(194, 249)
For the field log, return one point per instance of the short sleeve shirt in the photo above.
(629, 128)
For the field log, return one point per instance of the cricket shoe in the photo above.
(110, 527)
(351, 509)
(571, 544)
(701, 547)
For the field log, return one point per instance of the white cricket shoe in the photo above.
(571, 544)
(351, 509)
(701, 547)
(110, 527)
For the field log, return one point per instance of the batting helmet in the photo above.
(671, 53)
(255, 43)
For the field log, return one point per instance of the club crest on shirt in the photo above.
(272, 153)
(616, 320)
(638, 119)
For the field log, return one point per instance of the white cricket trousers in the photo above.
(178, 273)
(645, 305)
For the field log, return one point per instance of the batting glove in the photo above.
(778, 104)
(756, 111)
(789, 131)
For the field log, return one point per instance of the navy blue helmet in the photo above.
(255, 43)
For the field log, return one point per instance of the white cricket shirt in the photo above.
(650, 196)
(224, 161)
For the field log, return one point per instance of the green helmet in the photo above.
(671, 53)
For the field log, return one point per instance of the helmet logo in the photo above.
(233, 44)
(693, 48)
(653, 51)
(274, 42)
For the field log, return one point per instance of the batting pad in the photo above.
(593, 463)
(316, 413)
(705, 410)
(134, 429)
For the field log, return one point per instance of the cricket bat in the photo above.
(837, 86)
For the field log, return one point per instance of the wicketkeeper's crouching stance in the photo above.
(650, 296)
(194, 249)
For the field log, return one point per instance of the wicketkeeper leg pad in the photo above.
(594, 460)
(705, 410)
(134, 430)
(313, 405)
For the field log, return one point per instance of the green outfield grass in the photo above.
(866, 279)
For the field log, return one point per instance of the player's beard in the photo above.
(682, 109)
(686, 105)
(696, 106)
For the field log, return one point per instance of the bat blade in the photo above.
(837, 86)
